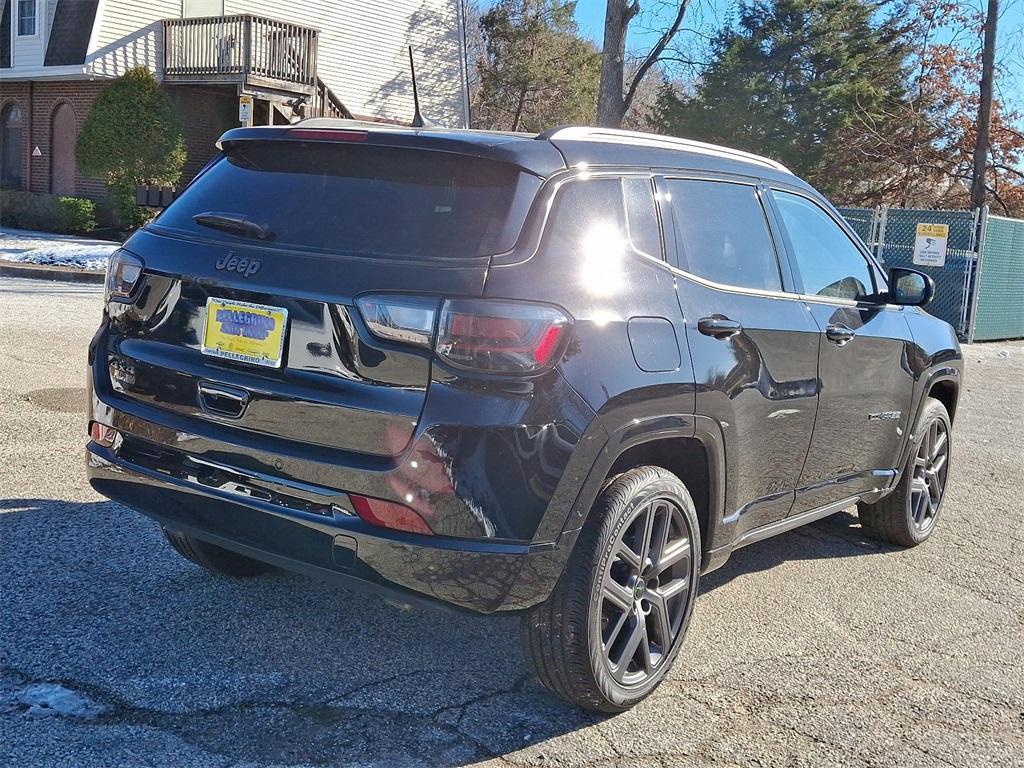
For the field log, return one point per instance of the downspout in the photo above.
(31, 131)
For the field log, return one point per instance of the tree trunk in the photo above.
(988, 60)
(610, 103)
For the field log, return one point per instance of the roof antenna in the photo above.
(418, 121)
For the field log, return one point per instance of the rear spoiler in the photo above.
(536, 157)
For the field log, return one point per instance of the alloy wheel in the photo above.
(931, 464)
(645, 590)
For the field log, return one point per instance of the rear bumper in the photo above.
(479, 575)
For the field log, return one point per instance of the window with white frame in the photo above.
(27, 17)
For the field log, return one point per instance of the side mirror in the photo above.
(910, 287)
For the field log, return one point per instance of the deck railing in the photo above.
(219, 48)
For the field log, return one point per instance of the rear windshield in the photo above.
(358, 199)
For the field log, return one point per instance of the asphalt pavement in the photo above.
(817, 648)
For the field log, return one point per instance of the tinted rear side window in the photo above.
(722, 234)
(380, 201)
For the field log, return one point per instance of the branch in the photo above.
(652, 58)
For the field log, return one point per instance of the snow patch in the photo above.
(29, 247)
(51, 699)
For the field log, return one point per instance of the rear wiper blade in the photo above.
(233, 222)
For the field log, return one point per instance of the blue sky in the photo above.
(706, 15)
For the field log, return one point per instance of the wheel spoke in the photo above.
(617, 595)
(661, 529)
(938, 463)
(920, 506)
(614, 634)
(645, 648)
(647, 528)
(636, 636)
(627, 555)
(939, 444)
(659, 611)
(673, 588)
(677, 552)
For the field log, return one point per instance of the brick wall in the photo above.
(205, 113)
(38, 100)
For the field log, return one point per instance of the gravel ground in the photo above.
(817, 648)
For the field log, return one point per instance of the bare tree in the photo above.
(614, 95)
(988, 62)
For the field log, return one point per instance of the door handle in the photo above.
(718, 327)
(838, 333)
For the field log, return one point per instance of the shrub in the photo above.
(24, 209)
(48, 213)
(131, 136)
(75, 214)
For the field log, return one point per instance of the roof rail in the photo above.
(615, 135)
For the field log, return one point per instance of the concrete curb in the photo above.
(49, 272)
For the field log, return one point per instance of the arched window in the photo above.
(12, 142)
(62, 149)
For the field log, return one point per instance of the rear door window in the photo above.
(721, 233)
(362, 200)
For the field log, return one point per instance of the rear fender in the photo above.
(637, 432)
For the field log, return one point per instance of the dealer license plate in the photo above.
(249, 333)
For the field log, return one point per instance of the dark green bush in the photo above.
(76, 214)
(132, 136)
(47, 213)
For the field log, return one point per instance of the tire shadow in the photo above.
(837, 536)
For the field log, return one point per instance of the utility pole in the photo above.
(988, 65)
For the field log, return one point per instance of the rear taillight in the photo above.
(389, 514)
(123, 273)
(401, 318)
(501, 336)
(504, 337)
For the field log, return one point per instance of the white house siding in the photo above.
(363, 52)
(129, 35)
(28, 51)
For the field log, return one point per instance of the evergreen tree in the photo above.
(793, 79)
(536, 72)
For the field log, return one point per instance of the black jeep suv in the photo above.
(562, 374)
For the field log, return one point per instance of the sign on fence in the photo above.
(930, 245)
(245, 109)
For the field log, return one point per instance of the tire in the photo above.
(216, 559)
(907, 516)
(564, 639)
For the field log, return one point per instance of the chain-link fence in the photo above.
(891, 234)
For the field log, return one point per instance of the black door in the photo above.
(754, 345)
(866, 381)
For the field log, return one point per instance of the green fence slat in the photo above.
(1000, 310)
